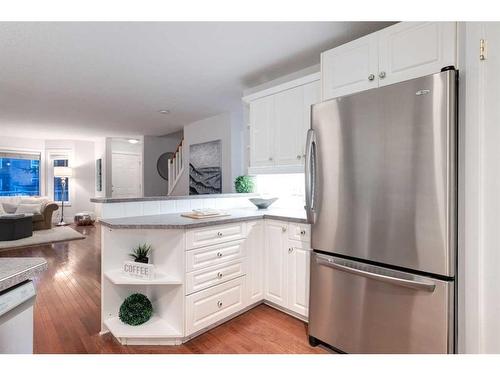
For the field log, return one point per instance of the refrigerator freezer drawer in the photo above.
(360, 308)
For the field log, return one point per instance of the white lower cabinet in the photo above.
(298, 261)
(275, 262)
(255, 262)
(271, 263)
(214, 304)
(287, 266)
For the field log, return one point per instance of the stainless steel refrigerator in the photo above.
(381, 195)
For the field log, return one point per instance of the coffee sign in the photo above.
(138, 270)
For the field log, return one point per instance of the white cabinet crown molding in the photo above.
(282, 87)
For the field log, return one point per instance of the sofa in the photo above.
(42, 209)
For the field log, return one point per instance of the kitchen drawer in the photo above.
(214, 235)
(299, 232)
(207, 277)
(215, 254)
(211, 305)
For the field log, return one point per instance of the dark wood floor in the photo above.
(67, 312)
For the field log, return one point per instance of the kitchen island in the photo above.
(206, 270)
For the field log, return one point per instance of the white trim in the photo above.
(282, 87)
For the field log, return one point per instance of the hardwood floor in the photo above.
(67, 312)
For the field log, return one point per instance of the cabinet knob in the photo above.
(219, 304)
(219, 234)
(381, 74)
(283, 229)
(303, 232)
(270, 158)
(371, 77)
(219, 254)
(219, 275)
(290, 249)
(299, 157)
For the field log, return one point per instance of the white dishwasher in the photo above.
(16, 319)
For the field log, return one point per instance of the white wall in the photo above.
(154, 184)
(226, 127)
(479, 281)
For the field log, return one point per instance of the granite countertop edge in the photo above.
(172, 197)
(199, 223)
(21, 273)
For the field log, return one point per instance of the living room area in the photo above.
(43, 184)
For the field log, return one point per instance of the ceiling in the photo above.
(84, 79)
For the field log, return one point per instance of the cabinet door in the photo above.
(275, 262)
(261, 132)
(288, 115)
(409, 50)
(255, 251)
(298, 260)
(350, 68)
(312, 95)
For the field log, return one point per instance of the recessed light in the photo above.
(133, 141)
(164, 111)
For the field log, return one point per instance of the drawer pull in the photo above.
(219, 304)
(303, 232)
(219, 234)
(219, 275)
(219, 254)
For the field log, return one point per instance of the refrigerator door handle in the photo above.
(310, 175)
(413, 284)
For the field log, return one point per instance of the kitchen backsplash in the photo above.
(289, 188)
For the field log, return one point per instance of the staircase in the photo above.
(175, 167)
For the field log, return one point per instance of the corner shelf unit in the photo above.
(165, 291)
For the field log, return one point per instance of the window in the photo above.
(61, 193)
(19, 174)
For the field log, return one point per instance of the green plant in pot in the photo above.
(141, 253)
(244, 184)
(137, 309)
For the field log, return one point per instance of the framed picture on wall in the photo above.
(205, 168)
(98, 174)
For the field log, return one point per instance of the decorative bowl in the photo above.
(262, 203)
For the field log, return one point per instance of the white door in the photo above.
(261, 132)
(350, 68)
(126, 175)
(255, 258)
(275, 262)
(409, 50)
(312, 95)
(298, 260)
(288, 115)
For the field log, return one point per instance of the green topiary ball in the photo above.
(244, 184)
(136, 310)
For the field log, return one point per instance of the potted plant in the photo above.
(244, 184)
(141, 253)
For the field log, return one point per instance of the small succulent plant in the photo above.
(141, 253)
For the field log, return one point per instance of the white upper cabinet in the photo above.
(261, 132)
(409, 50)
(397, 53)
(278, 122)
(312, 95)
(289, 117)
(350, 68)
